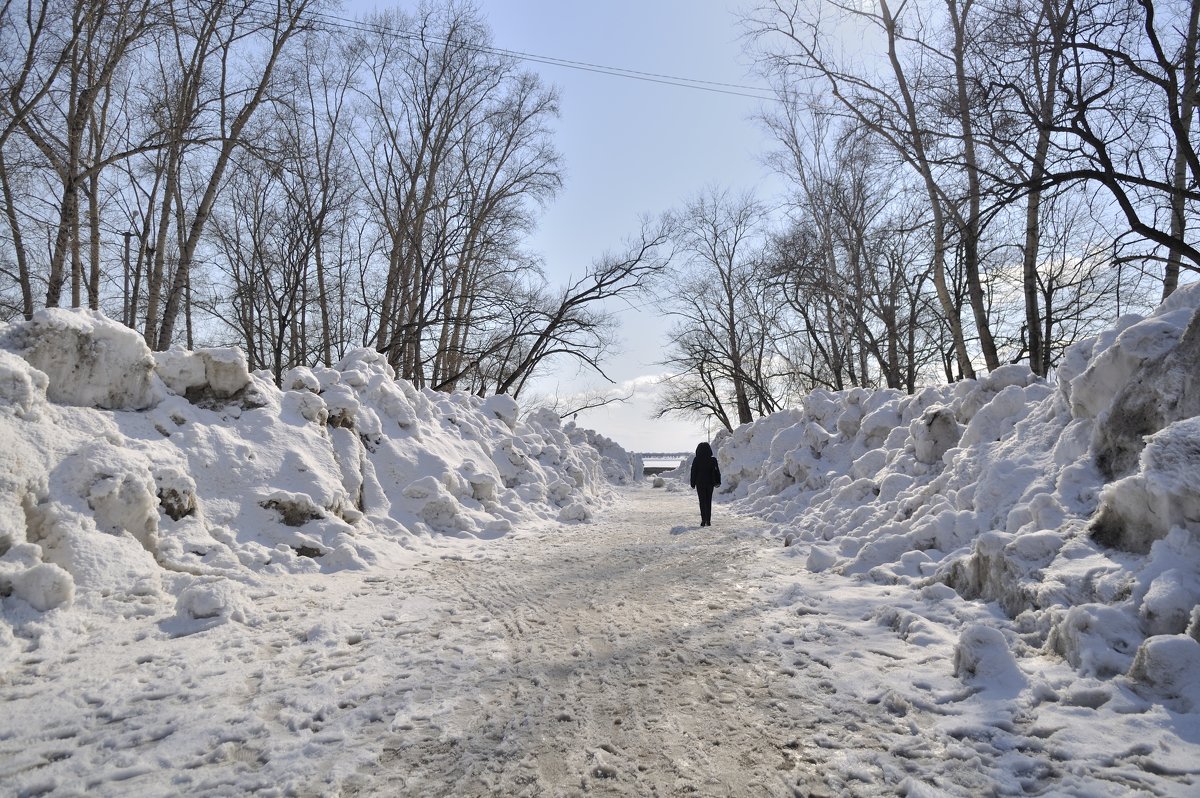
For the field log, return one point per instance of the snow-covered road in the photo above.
(626, 656)
(636, 655)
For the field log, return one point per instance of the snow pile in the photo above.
(620, 467)
(1075, 506)
(134, 477)
(88, 360)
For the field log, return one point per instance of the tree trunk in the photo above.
(939, 226)
(14, 226)
(323, 301)
(76, 258)
(158, 251)
(970, 230)
(1179, 177)
(93, 284)
(230, 142)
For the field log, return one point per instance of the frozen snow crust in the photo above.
(178, 476)
(1074, 505)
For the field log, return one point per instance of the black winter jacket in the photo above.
(705, 472)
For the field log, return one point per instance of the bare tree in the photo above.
(1023, 51)
(722, 342)
(101, 36)
(1126, 94)
(315, 164)
(574, 322)
(276, 29)
(34, 52)
(847, 264)
(795, 46)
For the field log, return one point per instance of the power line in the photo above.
(711, 86)
(654, 77)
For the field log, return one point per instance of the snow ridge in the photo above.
(169, 474)
(1075, 505)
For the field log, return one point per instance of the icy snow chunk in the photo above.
(982, 657)
(436, 506)
(850, 420)
(484, 486)
(1012, 374)
(99, 563)
(503, 407)
(22, 387)
(308, 406)
(1096, 639)
(1163, 493)
(332, 634)
(560, 491)
(877, 425)
(300, 378)
(1114, 361)
(997, 417)
(176, 491)
(892, 485)
(1168, 604)
(119, 488)
(396, 402)
(1167, 593)
(45, 586)
(424, 488)
(1165, 388)
(820, 560)
(975, 395)
(344, 556)
(1167, 668)
(88, 359)
(822, 408)
(343, 407)
(216, 599)
(365, 361)
(934, 433)
(869, 465)
(619, 466)
(23, 479)
(575, 511)
(1074, 362)
(295, 509)
(225, 369)
(218, 372)
(180, 370)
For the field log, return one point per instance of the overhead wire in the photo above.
(715, 87)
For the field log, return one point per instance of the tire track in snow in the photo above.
(612, 658)
(632, 662)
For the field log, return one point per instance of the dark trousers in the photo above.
(705, 493)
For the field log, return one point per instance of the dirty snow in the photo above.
(350, 586)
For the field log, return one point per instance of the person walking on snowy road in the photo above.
(706, 475)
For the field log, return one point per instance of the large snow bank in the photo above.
(620, 467)
(1074, 505)
(128, 476)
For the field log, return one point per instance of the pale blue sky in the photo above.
(632, 147)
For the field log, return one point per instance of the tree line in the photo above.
(265, 174)
(971, 183)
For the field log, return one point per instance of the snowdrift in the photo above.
(1075, 505)
(137, 476)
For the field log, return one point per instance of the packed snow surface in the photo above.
(212, 585)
